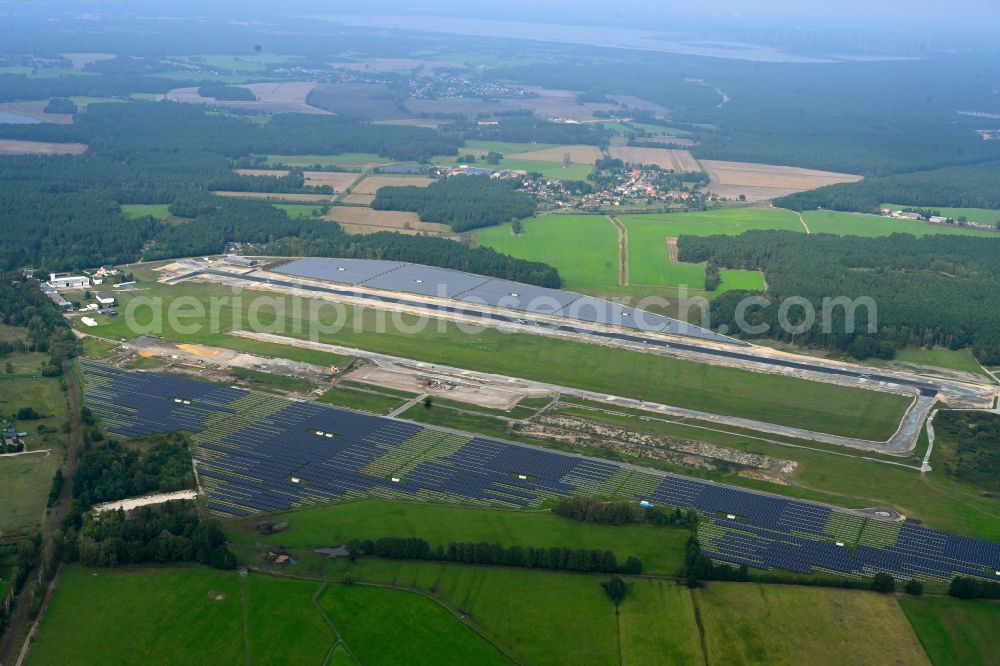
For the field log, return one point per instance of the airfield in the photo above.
(465, 298)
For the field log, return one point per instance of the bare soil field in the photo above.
(371, 184)
(81, 60)
(338, 180)
(355, 219)
(765, 181)
(287, 97)
(35, 110)
(281, 197)
(577, 154)
(357, 199)
(368, 101)
(17, 147)
(665, 158)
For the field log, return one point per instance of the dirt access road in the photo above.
(622, 250)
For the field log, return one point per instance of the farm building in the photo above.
(236, 260)
(67, 281)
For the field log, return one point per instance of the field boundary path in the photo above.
(672, 252)
(622, 250)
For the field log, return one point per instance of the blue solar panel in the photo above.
(295, 453)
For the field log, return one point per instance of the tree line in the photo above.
(935, 290)
(462, 202)
(557, 558)
(595, 510)
(22, 304)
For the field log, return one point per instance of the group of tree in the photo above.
(110, 470)
(462, 202)
(934, 290)
(558, 558)
(294, 182)
(596, 510)
(226, 93)
(60, 105)
(173, 531)
(966, 186)
(966, 587)
(968, 447)
(530, 129)
(22, 304)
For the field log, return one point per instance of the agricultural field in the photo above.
(651, 261)
(253, 620)
(977, 215)
(860, 224)
(724, 221)
(583, 247)
(764, 181)
(278, 97)
(139, 211)
(367, 101)
(577, 154)
(256, 62)
(338, 180)
(358, 220)
(665, 158)
(352, 161)
(18, 147)
(661, 549)
(778, 624)
(955, 632)
(286, 197)
(364, 192)
(384, 626)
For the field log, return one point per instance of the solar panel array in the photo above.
(260, 453)
(447, 283)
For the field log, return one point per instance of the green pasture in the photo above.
(661, 549)
(138, 211)
(859, 224)
(583, 247)
(955, 632)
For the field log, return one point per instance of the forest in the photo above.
(970, 447)
(968, 186)
(462, 202)
(63, 213)
(935, 290)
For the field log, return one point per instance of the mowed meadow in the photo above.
(436, 613)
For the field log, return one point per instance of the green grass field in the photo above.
(977, 215)
(109, 617)
(480, 148)
(583, 247)
(715, 389)
(255, 62)
(955, 632)
(725, 221)
(657, 624)
(858, 224)
(385, 626)
(958, 359)
(778, 624)
(137, 211)
(25, 480)
(367, 401)
(550, 170)
(282, 625)
(660, 549)
(270, 381)
(299, 210)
